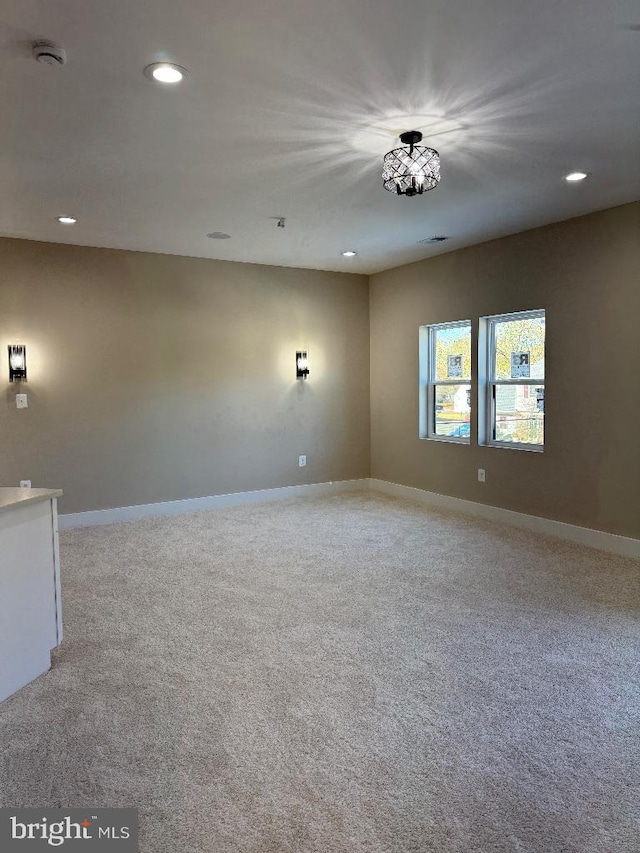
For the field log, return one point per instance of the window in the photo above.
(445, 381)
(513, 346)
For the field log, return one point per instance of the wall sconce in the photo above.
(302, 364)
(17, 363)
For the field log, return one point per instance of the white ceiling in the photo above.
(288, 110)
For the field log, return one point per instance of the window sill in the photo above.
(444, 439)
(509, 445)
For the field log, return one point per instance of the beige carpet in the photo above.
(351, 674)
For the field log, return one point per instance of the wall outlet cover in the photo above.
(25, 484)
(21, 401)
(302, 461)
(482, 475)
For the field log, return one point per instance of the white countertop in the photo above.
(11, 498)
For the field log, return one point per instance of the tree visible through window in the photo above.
(516, 379)
(446, 381)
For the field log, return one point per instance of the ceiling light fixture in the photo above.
(574, 177)
(67, 220)
(413, 170)
(349, 254)
(165, 72)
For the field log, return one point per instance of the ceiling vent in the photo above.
(437, 239)
(48, 53)
(218, 235)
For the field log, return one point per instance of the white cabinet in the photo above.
(30, 597)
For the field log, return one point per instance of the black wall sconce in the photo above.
(302, 364)
(17, 363)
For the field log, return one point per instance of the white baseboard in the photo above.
(623, 545)
(134, 513)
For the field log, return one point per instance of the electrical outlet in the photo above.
(25, 484)
(302, 461)
(482, 475)
(21, 401)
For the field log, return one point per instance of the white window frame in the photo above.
(427, 367)
(487, 382)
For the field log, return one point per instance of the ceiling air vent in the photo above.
(218, 235)
(436, 239)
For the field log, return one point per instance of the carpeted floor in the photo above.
(352, 674)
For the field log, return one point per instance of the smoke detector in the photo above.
(48, 53)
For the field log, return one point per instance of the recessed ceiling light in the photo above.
(349, 253)
(574, 177)
(218, 235)
(67, 220)
(165, 72)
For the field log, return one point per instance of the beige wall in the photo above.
(155, 377)
(586, 274)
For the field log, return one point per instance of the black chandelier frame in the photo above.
(411, 171)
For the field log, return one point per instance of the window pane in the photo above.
(519, 349)
(453, 353)
(520, 413)
(452, 410)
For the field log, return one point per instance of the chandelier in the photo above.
(413, 170)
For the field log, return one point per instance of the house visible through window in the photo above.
(514, 404)
(445, 381)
